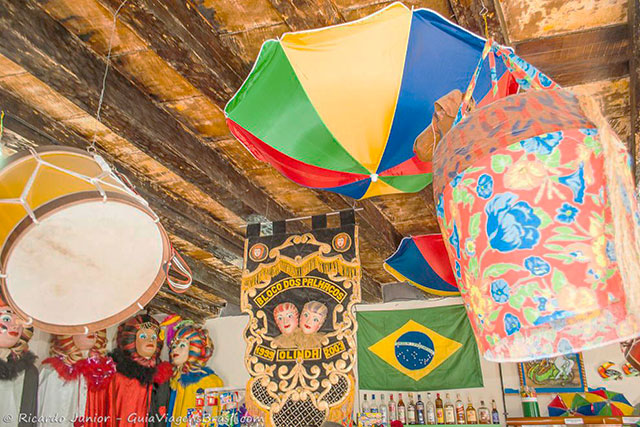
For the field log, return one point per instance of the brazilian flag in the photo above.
(424, 349)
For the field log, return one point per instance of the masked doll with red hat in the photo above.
(191, 348)
(18, 374)
(74, 381)
(139, 391)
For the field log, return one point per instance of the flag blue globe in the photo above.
(414, 350)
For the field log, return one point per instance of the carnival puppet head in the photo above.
(313, 316)
(139, 338)
(73, 348)
(191, 348)
(286, 317)
(14, 334)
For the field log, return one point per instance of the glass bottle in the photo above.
(382, 409)
(420, 411)
(439, 410)
(472, 417)
(364, 406)
(484, 416)
(402, 410)
(411, 411)
(393, 410)
(430, 410)
(460, 418)
(495, 416)
(449, 411)
(374, 407)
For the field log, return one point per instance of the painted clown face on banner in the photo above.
(313, 316)
(10, 328)
(286, 317)
(146, 342)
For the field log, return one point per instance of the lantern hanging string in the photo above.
(92, 147)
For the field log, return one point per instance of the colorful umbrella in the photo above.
(609, 403)
(339, 108)
(423, 262)
(569, 404)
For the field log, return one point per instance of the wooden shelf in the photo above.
(583, 420)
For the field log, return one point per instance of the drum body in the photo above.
(524, 208)
(80, 251)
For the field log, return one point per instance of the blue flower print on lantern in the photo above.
(484, 188)
(542, 303)
(458, 271)
(537, 266)
(455, 181)
(575, 182)
(542, 144)
(589, 132)
(511, 224)
(567, 213)
(611, 251)
(454, 239)
(511, 324)
(544, 80)
(440, 206)
(500, 291)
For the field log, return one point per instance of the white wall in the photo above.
(228, 356)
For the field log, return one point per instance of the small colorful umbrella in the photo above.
(339, 108)
(609, 403)
(423, 262)
(560, 406)
(569, 404)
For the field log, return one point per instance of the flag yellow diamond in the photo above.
(414, 349)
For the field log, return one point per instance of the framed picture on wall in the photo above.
(554, 375)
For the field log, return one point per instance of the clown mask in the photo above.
(85, 342)
(10, 328)
(179, 352)
(146, 342)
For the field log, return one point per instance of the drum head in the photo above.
(89, 263)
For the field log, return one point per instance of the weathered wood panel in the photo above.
(530, 19)
(582, 56)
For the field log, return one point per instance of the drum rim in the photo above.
(55, 205)
(43, 149)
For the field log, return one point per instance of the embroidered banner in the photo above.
(299, 291)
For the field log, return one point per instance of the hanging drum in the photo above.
(535, 202)
(80, 250)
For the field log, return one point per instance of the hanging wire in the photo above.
(484, 12)
(1, 129)
(92, 147)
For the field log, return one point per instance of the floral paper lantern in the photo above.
(544, 195)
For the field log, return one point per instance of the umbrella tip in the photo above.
(374, 177)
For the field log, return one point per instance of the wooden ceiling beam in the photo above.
(306, 14)
(580, 57)
(634, 80)
(468, 15)
(42, 46)
(174, 31)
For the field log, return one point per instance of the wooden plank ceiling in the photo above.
(175, 63)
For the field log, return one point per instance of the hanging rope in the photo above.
(92, 147)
